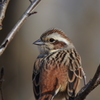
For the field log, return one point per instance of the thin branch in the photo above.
(92, 84)
(3, 7)
(34, 12)
(12, 33)
(1, 82)
(30, 1)
(96, 84)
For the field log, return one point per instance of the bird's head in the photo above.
(53, 40)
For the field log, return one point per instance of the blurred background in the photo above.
(79, 19)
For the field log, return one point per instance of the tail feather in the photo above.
(46, 97)
(49, 95)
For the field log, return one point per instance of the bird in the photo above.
(57, 70)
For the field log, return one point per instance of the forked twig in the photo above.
(14, 30)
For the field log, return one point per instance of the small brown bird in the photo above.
(57, 70)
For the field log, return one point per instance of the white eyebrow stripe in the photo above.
(57, 36)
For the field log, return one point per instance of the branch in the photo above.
(3, 7)
(91, 85)
(1, 82)
(17, 26)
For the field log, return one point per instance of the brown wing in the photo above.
(35, 78)
(74, 74)
(48, 79)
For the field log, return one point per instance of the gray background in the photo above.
(79, 19)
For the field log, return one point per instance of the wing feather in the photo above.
(36, 78)
(45, 82)
(74, 75)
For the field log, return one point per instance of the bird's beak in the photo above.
(38, 42)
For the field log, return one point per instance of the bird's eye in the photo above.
(52, 40)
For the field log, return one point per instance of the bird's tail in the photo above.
(49, 95)
(46, 97)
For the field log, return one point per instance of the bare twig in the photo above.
(92, 84)
(3, 7)
(34, 12)
(30, 1)
(12, 33)
(1, 82)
